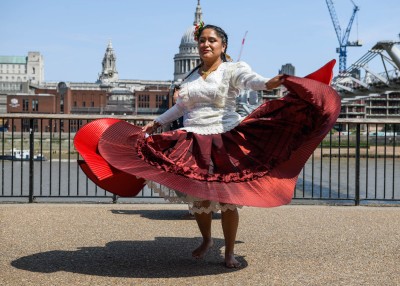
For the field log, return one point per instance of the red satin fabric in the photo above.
(254, 164)
(120, 183)
(96, 168)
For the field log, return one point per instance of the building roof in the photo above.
(12, 60)
(188, 37)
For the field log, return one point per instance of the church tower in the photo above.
(188, 56)
(109, 72)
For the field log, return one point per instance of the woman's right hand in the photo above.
(274, 82)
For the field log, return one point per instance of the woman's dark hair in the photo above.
(221, 33)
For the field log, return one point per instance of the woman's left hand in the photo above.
(274, 82)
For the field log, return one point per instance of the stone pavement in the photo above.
(150, 244)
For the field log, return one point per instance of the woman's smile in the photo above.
(210, 45)
(205, 51)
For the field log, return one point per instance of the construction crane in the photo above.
(241, 47)
(343, 40)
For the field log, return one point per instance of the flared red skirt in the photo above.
(254, 164)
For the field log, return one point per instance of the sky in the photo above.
(72, 35)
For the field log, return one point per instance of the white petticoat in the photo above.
(195, 204)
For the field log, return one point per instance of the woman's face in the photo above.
(210, 45)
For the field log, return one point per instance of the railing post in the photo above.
(357, 171)
(31, 155)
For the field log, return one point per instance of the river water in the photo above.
(328, 178)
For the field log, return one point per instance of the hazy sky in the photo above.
(73, 35)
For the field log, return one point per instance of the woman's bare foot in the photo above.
(200, 251)
(231, 262)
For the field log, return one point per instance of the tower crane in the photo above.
(241, 46)
(343, 39)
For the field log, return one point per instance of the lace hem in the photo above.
(214, 207)
(193, 202)
(209, 130)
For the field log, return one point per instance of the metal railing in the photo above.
(356, 166)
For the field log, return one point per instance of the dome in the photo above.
(188, 37)
(188, 57)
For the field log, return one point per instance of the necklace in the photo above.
(207, 73)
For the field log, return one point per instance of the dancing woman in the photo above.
(217, 160)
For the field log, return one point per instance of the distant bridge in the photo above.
(362, 78)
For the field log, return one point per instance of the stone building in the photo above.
(188, 56)
(19, 69)
(109, 73)
(288, 69)
(385, 105)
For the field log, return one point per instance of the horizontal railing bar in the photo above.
(75, 116)
(323, 199)
(150, 117)
(369, 121)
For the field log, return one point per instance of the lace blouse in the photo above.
(208, 106)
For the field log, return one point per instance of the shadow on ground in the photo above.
(161, 214)
(164, 257)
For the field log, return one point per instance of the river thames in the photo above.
(326, 178)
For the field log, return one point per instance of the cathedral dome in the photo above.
(188, 57)
(188, 44)
(188, 37)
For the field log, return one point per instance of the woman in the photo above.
(212, 46)
(218, 160)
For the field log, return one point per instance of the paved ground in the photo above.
(136, 244)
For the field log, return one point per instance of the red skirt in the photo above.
(255, 164)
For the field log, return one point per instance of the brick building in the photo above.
(62, 100)
(153, 100)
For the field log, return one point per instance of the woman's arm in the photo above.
(168, 116)
(244, 78)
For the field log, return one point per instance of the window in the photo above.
(36, 125)
(25, 105)
(75, 104)
(35, 105)
(144, 101)
(25, 124)
(92, 104)
(160, 99)
(84, 104)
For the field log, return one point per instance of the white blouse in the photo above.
(208, 106)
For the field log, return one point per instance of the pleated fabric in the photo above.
(255, 164)
(96, 168)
